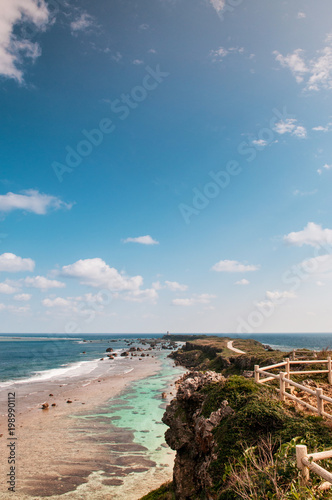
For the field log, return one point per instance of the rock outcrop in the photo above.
(190, 434)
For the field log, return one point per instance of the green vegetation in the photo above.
(181, 338)
(267, 428)
(165, 492)
(255, 453)
(212, 353)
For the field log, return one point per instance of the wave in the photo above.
(71, 370)
(77, 369)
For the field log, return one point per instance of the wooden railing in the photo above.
(306, 461)
(285, 382)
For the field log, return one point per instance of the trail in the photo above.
(230, 346)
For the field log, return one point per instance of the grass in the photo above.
(258, 415)
(165, 492)
(212, 353)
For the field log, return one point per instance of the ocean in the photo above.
(42, 357)
(124, 436)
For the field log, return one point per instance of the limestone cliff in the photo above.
(213, 420)
(190, 434)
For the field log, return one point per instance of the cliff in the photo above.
(235, 440)
(212, 353)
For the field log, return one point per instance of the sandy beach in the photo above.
(71, 450)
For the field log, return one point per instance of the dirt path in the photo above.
(230, 346)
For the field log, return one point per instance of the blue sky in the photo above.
(165, 165)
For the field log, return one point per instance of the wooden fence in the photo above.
(306, 461)
(285, 382)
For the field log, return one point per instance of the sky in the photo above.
(165, 165)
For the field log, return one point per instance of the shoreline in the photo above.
(59, 450)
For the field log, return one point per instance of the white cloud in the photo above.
(297, 192)
(242, 282)
(321, 128)
(220, 53)
(23, 297)
(290, 126)
(157, 285)
(143, 26)
(88, 305)
(15, 309)
(7, 289)
(59, 303)
(82, 23)
(98, 298)
(117, 56)
(11, 263)
(294, 62)
(42, 283)
(204, 298)
(276, 295)
(318, 269)
(233, 266)
(96, 273)
(301, 15)
(174, 286)
(324, 167)
(143, 240)
(150, 294)
(275, 298)
(13, 47)
(182, 302)
(315, 73)
(31, 201)
(313, 235)
(300, 132)
(218, 5)
(138, 62)
(260, 143)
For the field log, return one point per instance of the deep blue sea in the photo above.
(61, 355)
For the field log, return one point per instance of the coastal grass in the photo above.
(212, 353)
(255, 452)
(164, 492)
(259, 417)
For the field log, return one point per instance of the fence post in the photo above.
(257, 374)
(320, 402)
(294, 354)
(287, 371)
(329, 366)
(282, 386)
(301, 452)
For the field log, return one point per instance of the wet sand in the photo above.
(67, 451)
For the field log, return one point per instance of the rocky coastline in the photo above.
(218, 415)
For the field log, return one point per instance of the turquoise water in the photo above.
(145, 398)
